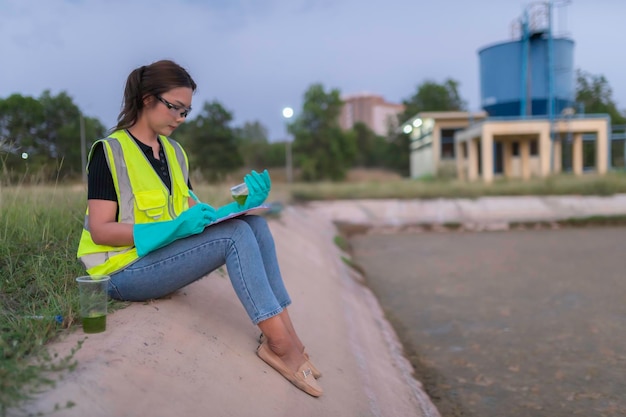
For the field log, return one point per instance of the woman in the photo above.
(147, 231)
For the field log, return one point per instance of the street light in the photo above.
(83, 148)
(288, 114)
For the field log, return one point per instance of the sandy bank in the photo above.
(193, 354)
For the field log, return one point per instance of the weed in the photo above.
(565, 184)
(342, 243)
(39, 231)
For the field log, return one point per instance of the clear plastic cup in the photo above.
(239, 193)
(93, 298)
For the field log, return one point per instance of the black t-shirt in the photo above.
(100, 181)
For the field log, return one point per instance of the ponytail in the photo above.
(151, 80)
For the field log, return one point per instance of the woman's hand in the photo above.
(259, 186)
(193, 220)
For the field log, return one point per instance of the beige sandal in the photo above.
(316, 373)
(302, 378)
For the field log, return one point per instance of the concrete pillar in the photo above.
(545, 151)
(577, 154)
(412, 163)
(486, 148)
(472, 160)
(460, 159)
(558, 157)
(507, 156)
(524, 153)
(602, 150)
(436, 136)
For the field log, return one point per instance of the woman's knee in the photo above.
(241, 230)
(250, 230)
(258, 224)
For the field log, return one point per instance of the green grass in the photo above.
(342, 243)
(39, 231)
(608, 220)
(589, 184)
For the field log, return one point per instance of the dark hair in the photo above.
(150, 80)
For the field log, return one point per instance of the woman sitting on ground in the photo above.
(145, 228)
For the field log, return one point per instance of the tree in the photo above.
(321, 149)
(20, 123)
(61, 132)
(370, 148)
(253, 132)
(253, 144)
(596, 96)
(398, 153)
(47, 132)
(275, 155)
(595, 93)
(211, 142)
(431, 96)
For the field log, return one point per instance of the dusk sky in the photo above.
(257, 56)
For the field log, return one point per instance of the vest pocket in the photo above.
(153, 203)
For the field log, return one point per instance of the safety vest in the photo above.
(141, 197)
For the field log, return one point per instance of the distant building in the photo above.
(532, 147)
(528, 125)
(372, 110)
(432, 140)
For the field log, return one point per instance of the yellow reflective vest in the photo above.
(141, 197)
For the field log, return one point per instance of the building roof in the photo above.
(362, 94)
(451, 115)
(443, 115)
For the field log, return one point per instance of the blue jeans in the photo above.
(245, 244)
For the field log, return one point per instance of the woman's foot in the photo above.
(301, 377)
(316, 373)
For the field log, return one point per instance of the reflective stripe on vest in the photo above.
(141, 197)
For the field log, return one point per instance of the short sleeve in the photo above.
(99, 179)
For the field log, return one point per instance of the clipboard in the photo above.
(254, 210)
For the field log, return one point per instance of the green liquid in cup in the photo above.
(240, 199)
(94, 324)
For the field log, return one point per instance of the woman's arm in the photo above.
(102, 202)
(104, 228)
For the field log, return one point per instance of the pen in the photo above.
(195, 197)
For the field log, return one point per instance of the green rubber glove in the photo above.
(259, 186)
(228, 209)
(151, 236)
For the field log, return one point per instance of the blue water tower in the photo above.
(516, 77)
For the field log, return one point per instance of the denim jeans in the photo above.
(245, 244)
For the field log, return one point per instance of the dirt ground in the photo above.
(513, 323)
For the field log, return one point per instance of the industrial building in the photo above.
(373, 110)
(529, 124)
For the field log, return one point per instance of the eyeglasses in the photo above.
(177, 111)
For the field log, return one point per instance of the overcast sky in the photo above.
(257, 56)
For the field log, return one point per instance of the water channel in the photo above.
(521, 323)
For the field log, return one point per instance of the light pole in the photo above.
(83, 150)
(288, 114)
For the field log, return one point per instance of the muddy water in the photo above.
(516, 323)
